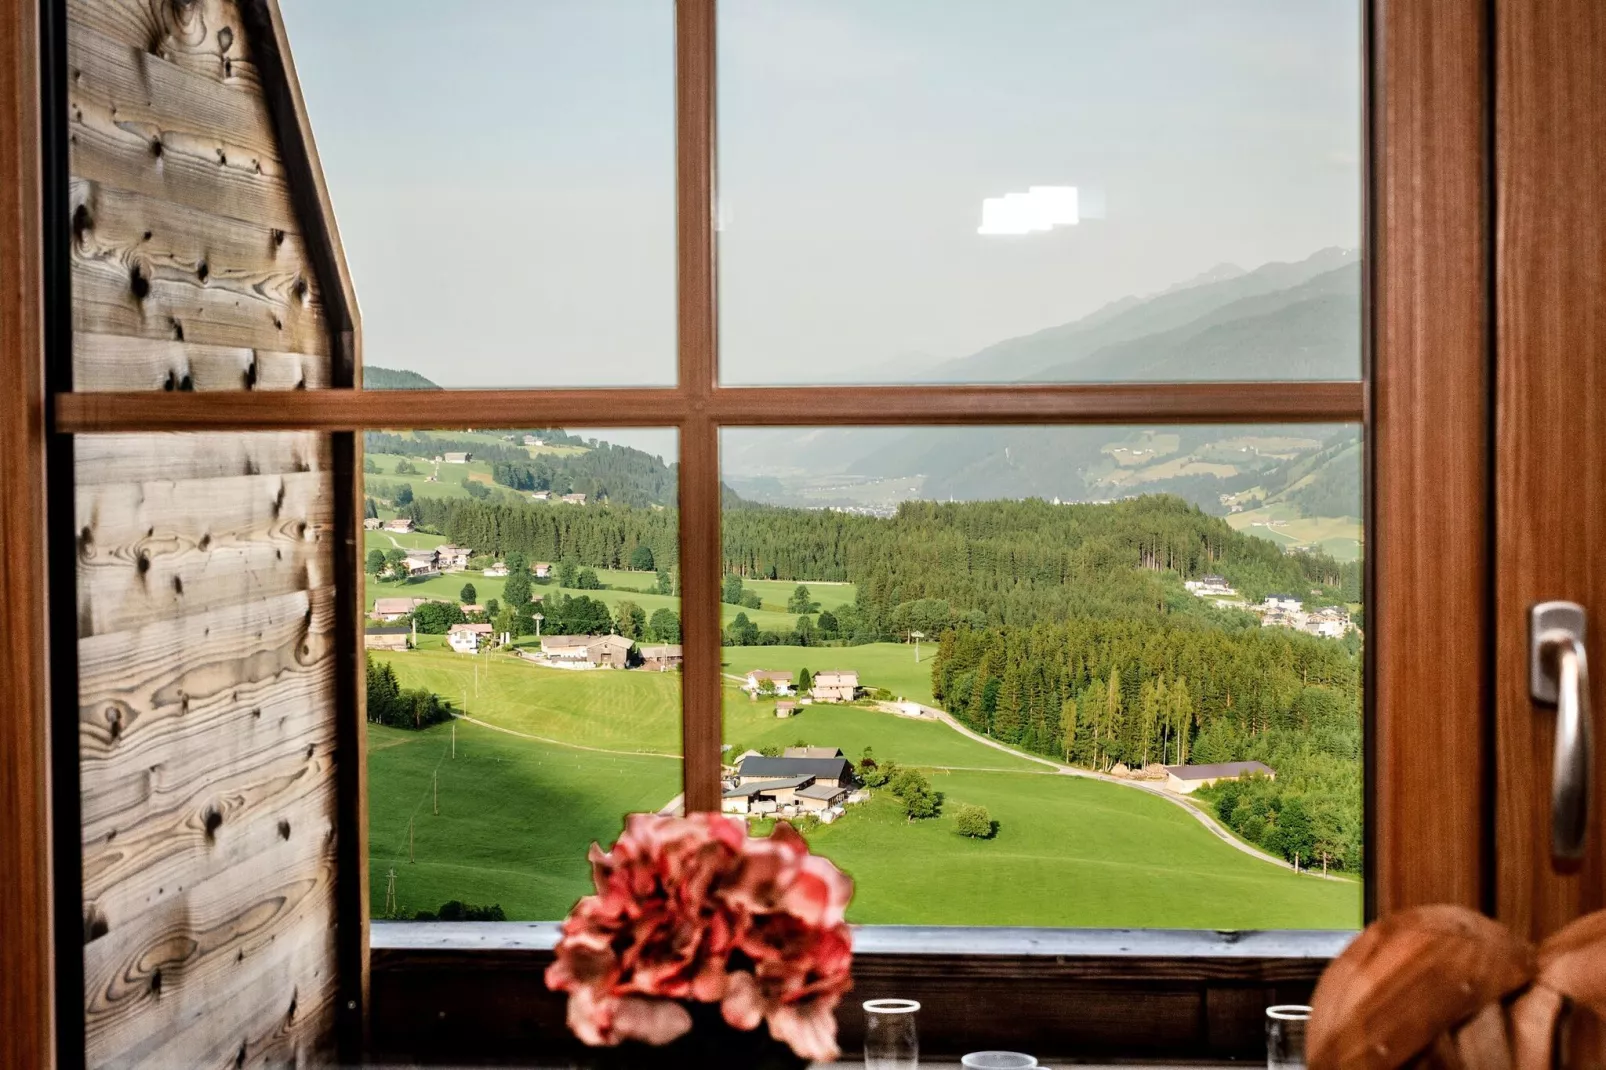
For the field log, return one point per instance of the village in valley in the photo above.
(508, 679)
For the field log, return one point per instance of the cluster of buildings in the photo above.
(1277, 610)
(566, 499)
(828, 685)
(603, 652)
(803, 780)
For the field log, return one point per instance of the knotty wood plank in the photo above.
(206, 37)
(27, 981)
(1431, 558)
(190, 963)
(204, 828)
(124, 458)
(109, 362)
(153, 551)
(266, 1034)
(248, 725)
(152, 269)
(1550, 468)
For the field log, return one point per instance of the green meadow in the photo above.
(572, 752)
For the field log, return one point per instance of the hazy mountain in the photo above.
(375, 378)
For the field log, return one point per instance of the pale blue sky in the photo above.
(503, 171)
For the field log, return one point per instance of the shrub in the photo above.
(975, 822)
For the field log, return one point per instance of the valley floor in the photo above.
(571, 752)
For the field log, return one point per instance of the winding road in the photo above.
(1070, 770)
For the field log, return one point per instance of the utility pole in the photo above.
(437, 779)
(917, 636)
(390, 893)
(454, 739)
(410, 840)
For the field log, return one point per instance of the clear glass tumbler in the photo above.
(890, 1040)
(1285, 1036)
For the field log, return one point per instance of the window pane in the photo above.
(1103, 677)
(523, 634)
(1031, 190)
(504, 179)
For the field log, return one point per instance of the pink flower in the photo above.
(694, 909)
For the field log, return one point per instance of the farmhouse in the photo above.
(543, 570)
(812, 752)
(372, 523)
(835, 685)
(763, 796)
(601, 651)
(836, 772)
(1285, 602)
(785, 708)
(574, 499)
(454, 557)
(401, 525)
(541, 496)
(457, 458)
(391, 609)
(661, 658)
(531, 440)
(497, 569)
(466, 638)
(1186, 779)
(422, 564)
(819, 796)
(385, 639)
(471, 608)
(1210, 587)
(762, 679)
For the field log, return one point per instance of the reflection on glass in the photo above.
(504, 180)
(1032, 190)
(1104, 677)
(523, 635)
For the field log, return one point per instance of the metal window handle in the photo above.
(1559, 675)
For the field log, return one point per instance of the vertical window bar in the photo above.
(699, 368)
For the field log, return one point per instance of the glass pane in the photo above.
(528, 581)
(1032, 190)
(1104, 677)
(504, 180)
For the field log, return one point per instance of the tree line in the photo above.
(1095, 692)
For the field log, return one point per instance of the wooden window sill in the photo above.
(465, 991)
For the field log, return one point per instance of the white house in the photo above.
(835, 685)
(466, 638)
(540, 495)
(402, 525)
(779, 682)
(531, 440)
(455, 557)
(457, 458)
(498, 569)
(1285, 602)
(574, 499)
(1210, 587)
(543, 570)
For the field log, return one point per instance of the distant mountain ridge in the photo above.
(376, 378)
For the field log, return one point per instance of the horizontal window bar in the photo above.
(1054, 403)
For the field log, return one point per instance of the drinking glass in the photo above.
(998, 1060)
(890, 1041)
(1285, 1036)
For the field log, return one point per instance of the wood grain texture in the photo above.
(1550, 423)
(206, 37)
(147, 268)
(1430, 426)
(27, 980)
(110, 362)
(209, 567)
(339, 410)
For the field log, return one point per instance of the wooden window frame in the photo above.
(1423, 400)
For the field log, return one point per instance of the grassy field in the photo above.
(516, 816)
(390, 540)
(517, 813)
(1282, 524)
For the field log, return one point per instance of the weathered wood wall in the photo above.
(206, 604)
